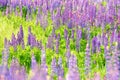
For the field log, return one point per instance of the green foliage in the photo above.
(83, 45)
(118, 28)
(107, 27)
(2, 8)
(37, 53)
(95, 31)
(24, 10)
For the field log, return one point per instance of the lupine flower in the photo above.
(67, 42)
(43, 56)
(33, 40)
(50, 42)
(43, 21)
(14, 41)
(78, 37)
(21, 13)
(94, 43)
(87, 59)
(33, 62)
(41, 74)
(98, 43)
(20, 37)
(57, 43)
(23, 73)
(105, 45)
(97, 76)
(56, 18)
(70, 24)
(72, 34)
(119, 41)
(73, 70)
(44, 7)
(60, 69)
(14, 69)
(79, 34)
(55, 5)
(39, 44)
(54, 67)
(68, 54)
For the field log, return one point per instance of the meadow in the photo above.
(59, 40)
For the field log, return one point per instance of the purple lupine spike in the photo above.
(87, 60)
(33, 62)
(65, 16)
(72, 62)
(34, 67)
(97, 76)
(68, 54)
(94, 42)
(108, 66)
(98, 43)
(65, 34)
(60, 61)
(21, 13)
(105, 43)
(44, 8)
(55, 5)
(29, 39)
(5, 53)
(70, 24)
(118, 41)
(23, 44)
(54, 67)
(43, 56)
(20, 37)
(67, 42)
(21, 32)
(115, 60)
(4, 67)
(14, 69)
(29, 36)
(4, 74)
(73, 69)
(60, 69)
(112, 64)
(60, 72)
(56, 18)
(72, 35)
(57, 43)
(39, 44)
(112, 37)
(42, 73)
(5, 56)
(32, 41)
(22, 73)
(60, 78)
(43, 21)
(14, 41)
(102, 38)
(78, 37)
(50, 42)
